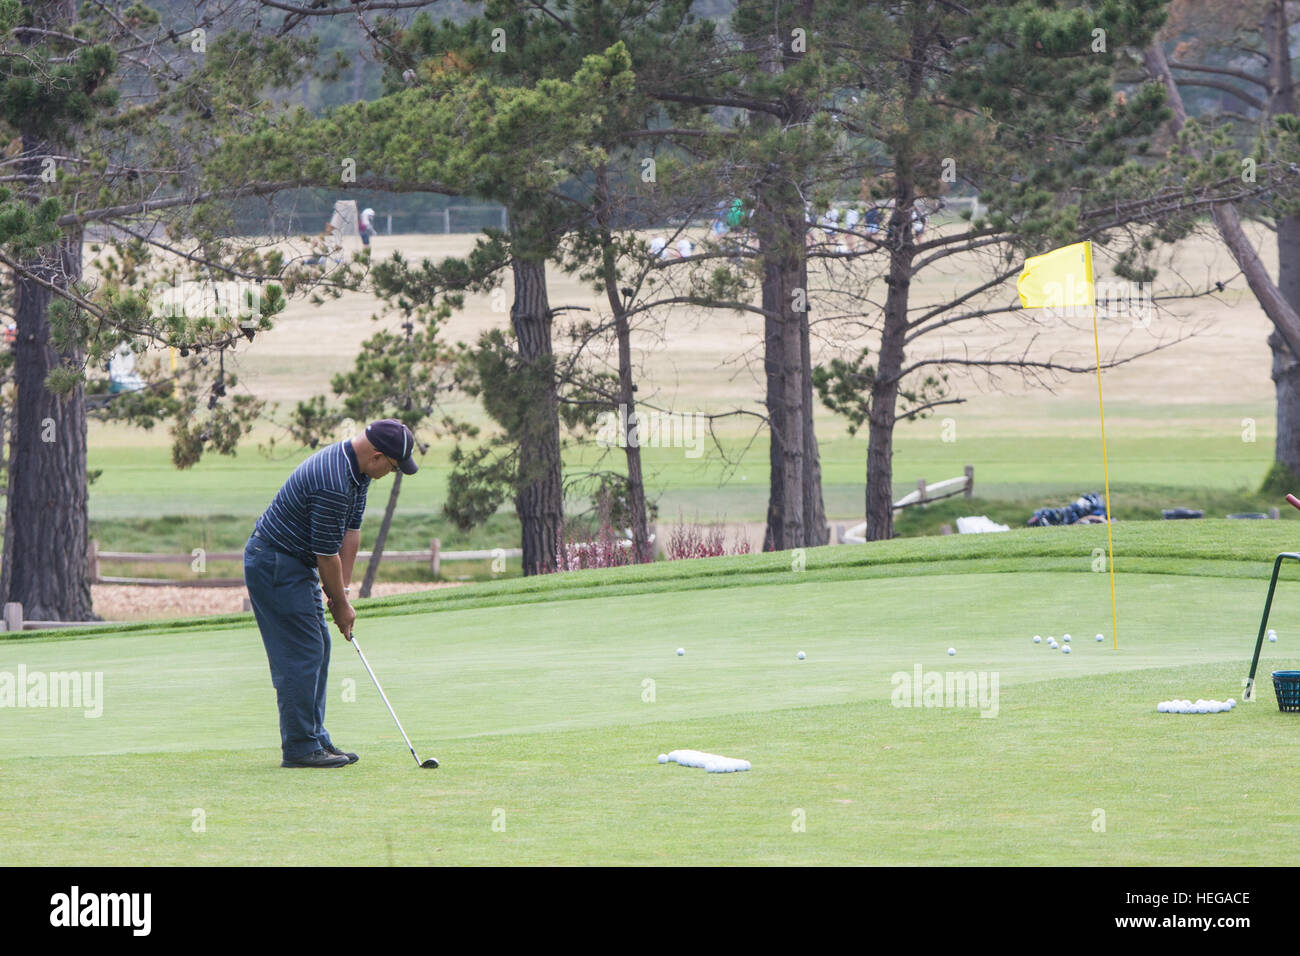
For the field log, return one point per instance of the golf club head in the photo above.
(430, 764)
(1249, 694)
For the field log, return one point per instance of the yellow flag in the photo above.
(1058, 279)
(1062, 279)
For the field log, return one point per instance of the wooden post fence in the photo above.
(434, 555)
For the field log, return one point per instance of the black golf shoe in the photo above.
(318, 758)
(331, 749)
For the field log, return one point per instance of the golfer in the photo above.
(308, 539)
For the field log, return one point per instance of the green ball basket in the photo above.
(1286, 684)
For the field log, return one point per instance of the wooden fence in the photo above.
(923, 495)
(13, 621)
(434, 557)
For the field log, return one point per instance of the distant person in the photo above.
(332, 244)
(736, 215)
(872, 221)
(684, 248)
(306, 541)
(918, 223)
(851, 217)
(367, 225)
(657, 246)
(720, 227)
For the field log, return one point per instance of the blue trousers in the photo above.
(286, 598)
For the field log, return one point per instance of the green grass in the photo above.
(214, 505)
(531, 692)
(1147, 472)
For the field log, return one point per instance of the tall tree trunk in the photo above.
(46, 564)
(1277, 300)
(883, 413)
(539, 498)
(785, 303)
(816, 531)
(626, 388)
(884, 390)
(774, 380)
(635, 483)
(46, 542)
(377, 552)
(881, 420)
(795, 513)
(1286, 367)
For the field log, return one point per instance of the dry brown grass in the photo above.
(710, 360)
(120, 602)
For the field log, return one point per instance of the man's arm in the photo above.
(331, 580)
(348, 553)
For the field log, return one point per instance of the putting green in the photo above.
(548, 717)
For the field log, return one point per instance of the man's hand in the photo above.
(331, 580)
(344, 616)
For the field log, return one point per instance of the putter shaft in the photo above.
(431, 762)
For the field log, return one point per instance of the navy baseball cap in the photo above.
(395, 440)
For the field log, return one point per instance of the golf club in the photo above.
(1249, 693)
(431, 763)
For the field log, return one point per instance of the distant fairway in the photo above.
(1175, 417)
(531, 693)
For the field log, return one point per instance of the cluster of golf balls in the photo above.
(1064, 645)
(1196, 707)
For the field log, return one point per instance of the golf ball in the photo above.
(1099, 638)
(1162, 707)
(1066, 638)
(681, 652)
(1065, 649)
(801, 655)
(663, 758)
(1231, 703)
(952, 652)
(1272, 637)
(1037, 639)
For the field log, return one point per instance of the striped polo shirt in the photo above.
(324, 497)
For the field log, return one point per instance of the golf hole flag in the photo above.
(1062, 280)
(1058, 279)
